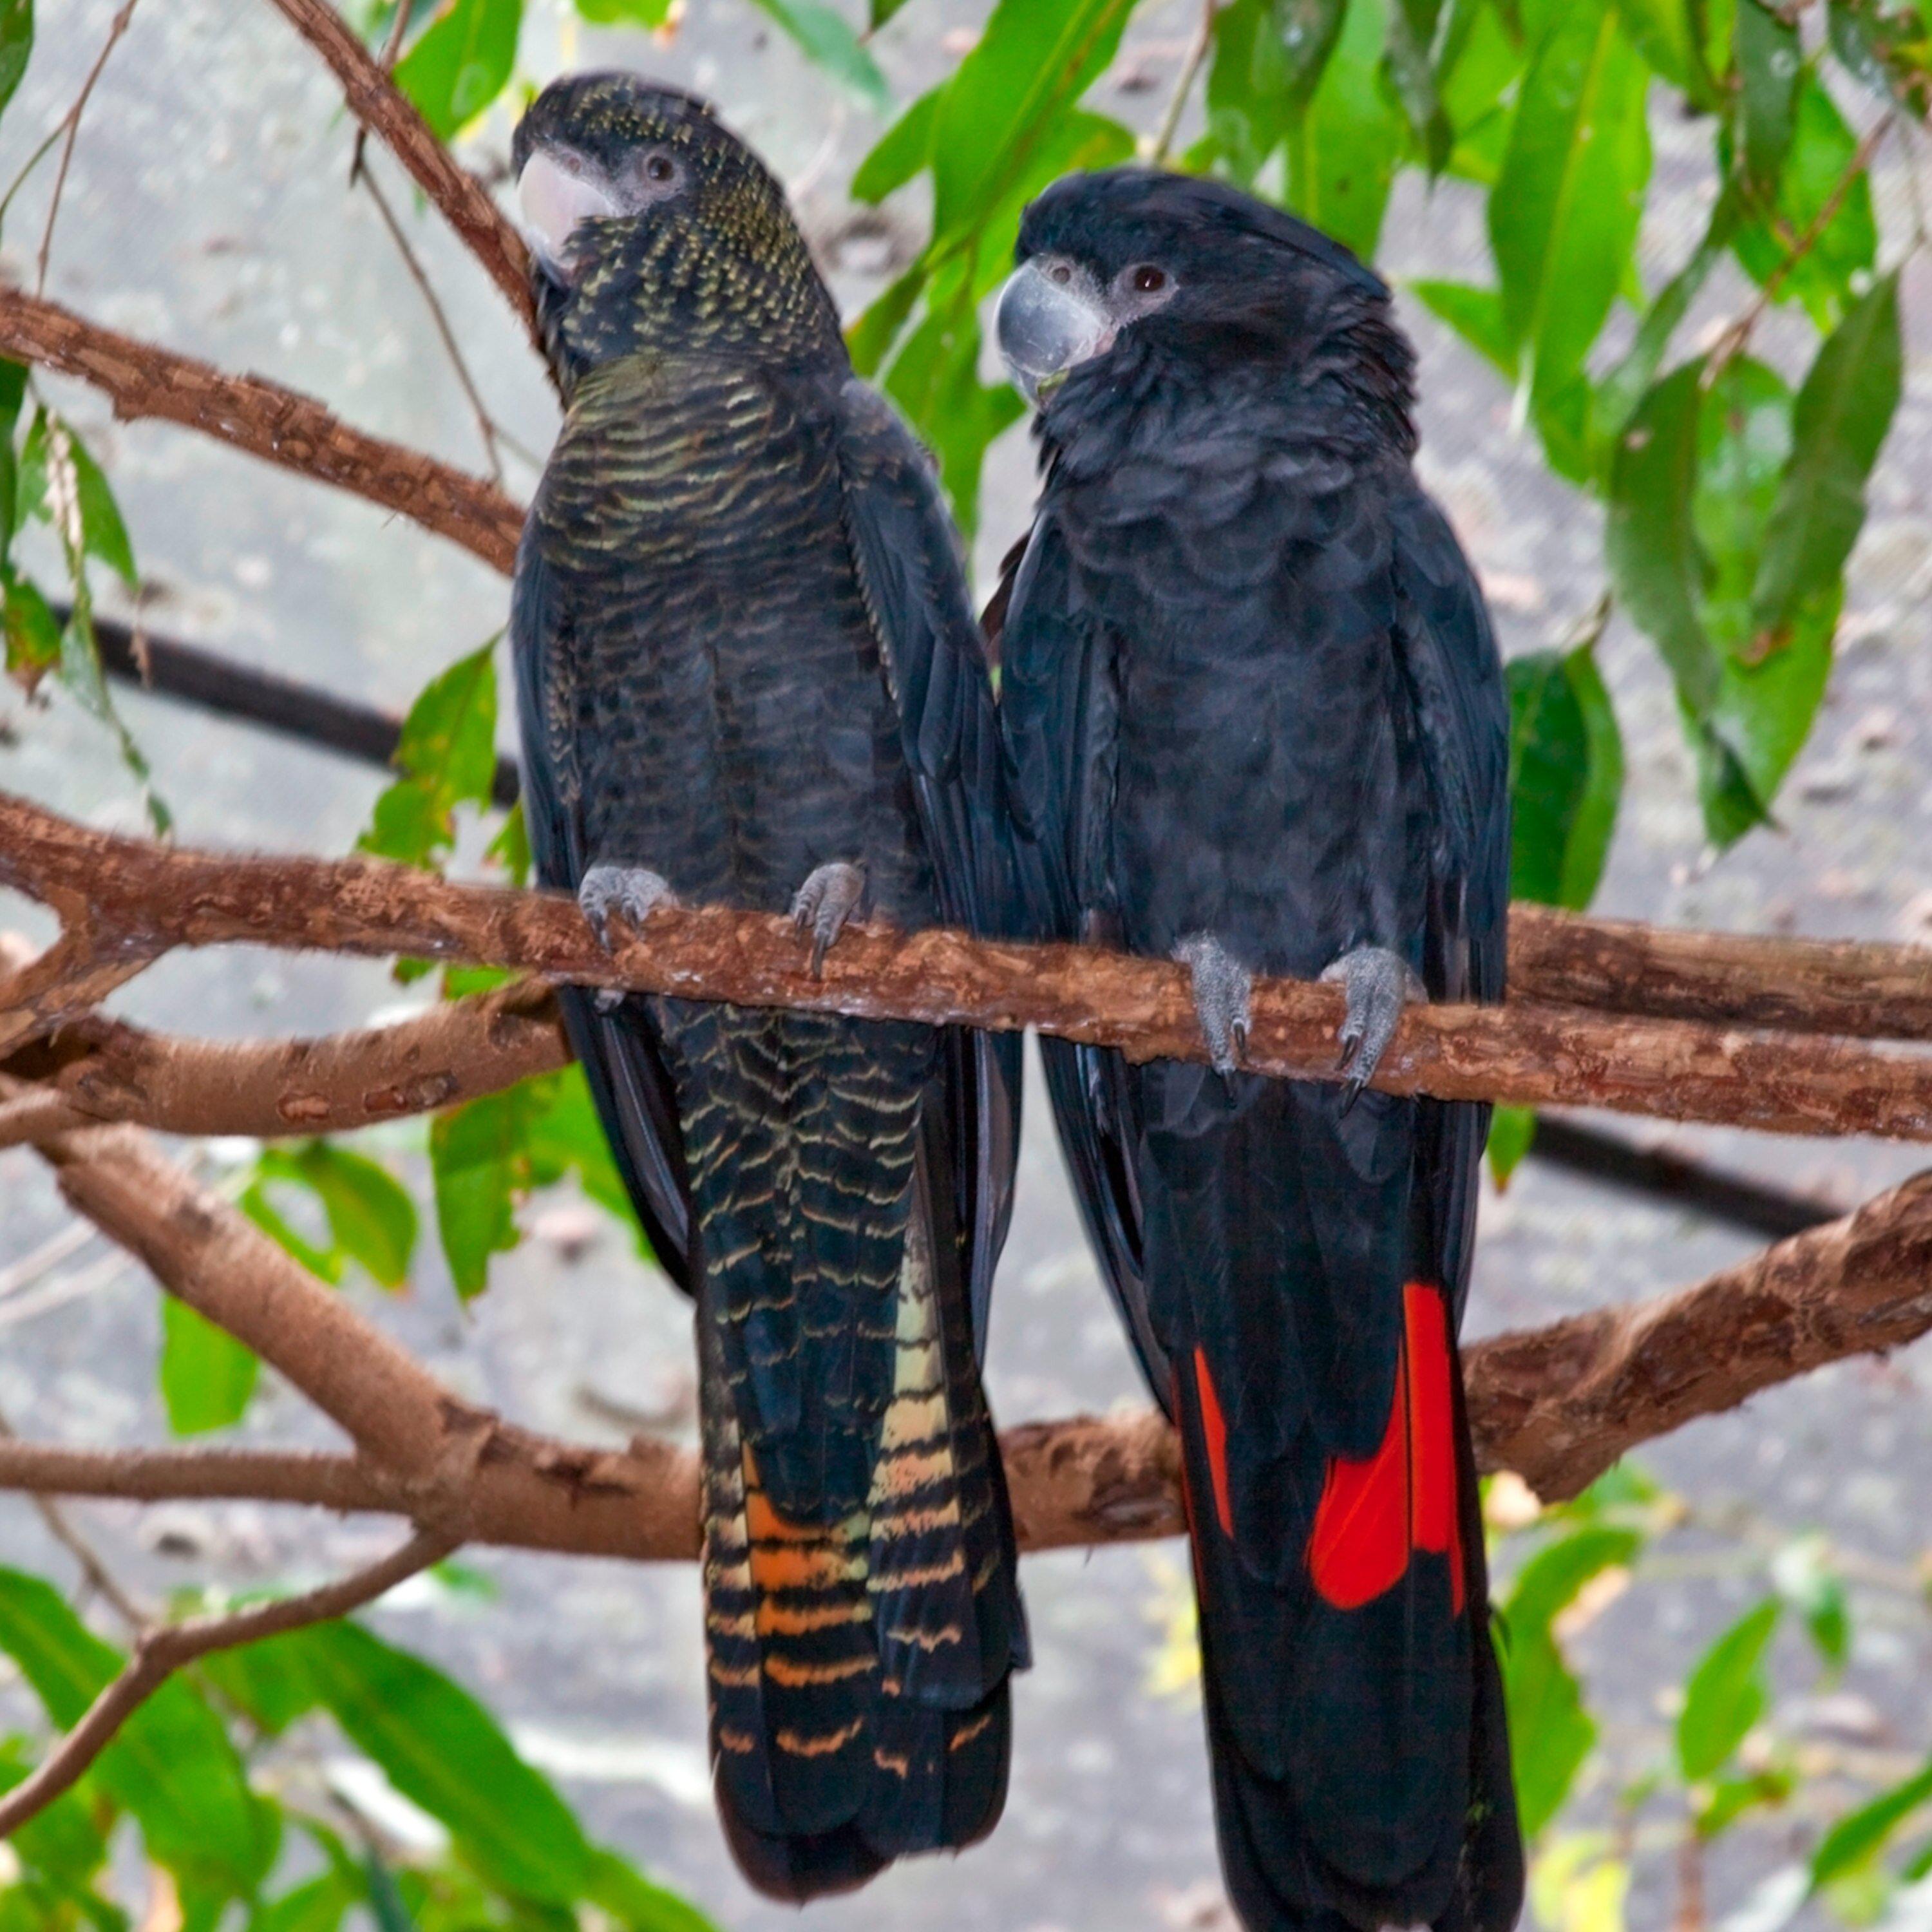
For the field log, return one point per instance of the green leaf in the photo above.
(1858, 1838)
(935, 380)
(1551, 1730)
(1344, 145)
(1566, 776)
(372, 1221)
(319, 1906)
(510, 847)
(638, 1904)
(1650, 540)
(45, 488)
(1770, 684)
(1731, 1799)
(207, 1377)
(462, 62)
(1548, 1584)
(17, 44)
(1512, 1134)
(447, 753)
(1563, 215)
(1408, 62)
(1887, 48)
(171, 1765)
(1828, 273)
(1623, 388)
(1843, 411)
(828, 42)
(647, 13)
(1483, 66)
(566, 1137)
(1269, 56)
(1726, 1695)
(1661, 30)
(1769, 63)
(33, 631)
(904, 150)
(1475, 314)
(1802, 1572)
(1034, 60)
(64, 1841)
(880, 11)
(480, 1165)
(445, 1752)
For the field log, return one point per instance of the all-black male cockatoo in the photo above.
(1256, 722)
(749, 675)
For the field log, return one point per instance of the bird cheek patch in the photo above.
(554, 199)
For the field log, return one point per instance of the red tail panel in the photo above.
(1372, 1513)
(1214, 1433)
(1431, 1429)
(1359, 1546)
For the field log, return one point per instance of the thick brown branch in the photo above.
(1557, 1404)
(103, 1070)
(448, 1464)
(1560, 1404)
(161, 1652)
(73, 975)
(1862, 987)
(1526, 1052)
(376, 103)
(260, 417)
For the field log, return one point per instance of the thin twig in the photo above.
(376, 103)
(485, 424)
(99, 1578)
(1737, 333)
(266, 420)
(1183, 85)
(161, 1652)
(71, 126)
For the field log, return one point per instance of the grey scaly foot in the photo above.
(830, 895)
(1222, 987)
(1377, 984)
(632, 893)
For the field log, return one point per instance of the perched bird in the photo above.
(1256, 721)
(748, 674)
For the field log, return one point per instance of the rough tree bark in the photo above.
(266, 420)
(150, 899)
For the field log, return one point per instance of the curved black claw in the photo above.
(608, 893)
(1221, 988)
(832, 893)
(1378, 984)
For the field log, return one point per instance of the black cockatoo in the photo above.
(748, 674)
(1257, 722)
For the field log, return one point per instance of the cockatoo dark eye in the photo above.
(1148, 279)
(658, 168)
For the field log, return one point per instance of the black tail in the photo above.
(1355, 1707)
(858, 1664)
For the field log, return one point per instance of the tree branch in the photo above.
(1557, 1405)
(278, 425)
(1526, 1052)
(1861, 989)
(376, 103)
(100, 1071)
(159, 1652)
(1864, 989)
